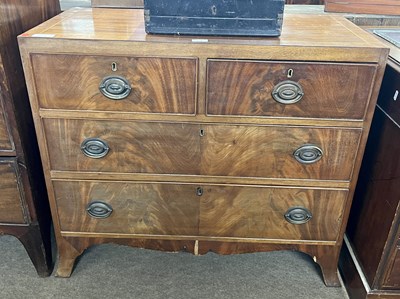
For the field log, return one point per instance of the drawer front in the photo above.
(133, 147)
(172, 209)
(155, 209)
(158, 85)
(220, 150)
(389, 96)
(314, 90)
(246, 151)
(11, 198)
(5, 142)
(392, 279)
(259, 212)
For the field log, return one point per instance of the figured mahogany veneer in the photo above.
(177, 210)
(199, 157)
(244, 151)
(159, 85)
(325, 93)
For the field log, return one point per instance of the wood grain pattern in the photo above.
(128, 25)
(330, 90)
(134, 147)
(383, 7)
(251, 151)
(242, 151)
(232, 149)
(11, 209)
(255, 212)
(171, 209)
(159, 209)
(159, 85)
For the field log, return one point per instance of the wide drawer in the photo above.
(288, 89)
(11, 210)
(220, 150)
(195, 210)
(5, 142)
(74, 82)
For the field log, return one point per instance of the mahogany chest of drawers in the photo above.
(229, 145)
(24, 207)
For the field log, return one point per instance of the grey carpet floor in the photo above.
(112, 271)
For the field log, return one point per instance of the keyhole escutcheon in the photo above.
(114, 67)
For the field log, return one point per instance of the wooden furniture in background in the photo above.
(229, 145)
(383, 7)
(24, 208)
(370, 261)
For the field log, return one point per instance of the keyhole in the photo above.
(202, 133)
(199, 191)
(290, 73)
(114, 67)
(214, 10)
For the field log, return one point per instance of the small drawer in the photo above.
(128, 84)
(279, 152)
(128, 147)
(389, 96)
(11, 199)
(5, 140)
(123, 207)
(271, 213)
(288, 89)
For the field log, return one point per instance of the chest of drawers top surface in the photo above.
(318, 31)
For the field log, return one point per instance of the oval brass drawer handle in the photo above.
(99, 210)
(298, 215)
(308, 154)
(115, 87)
(287, 92)
(95, 148)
